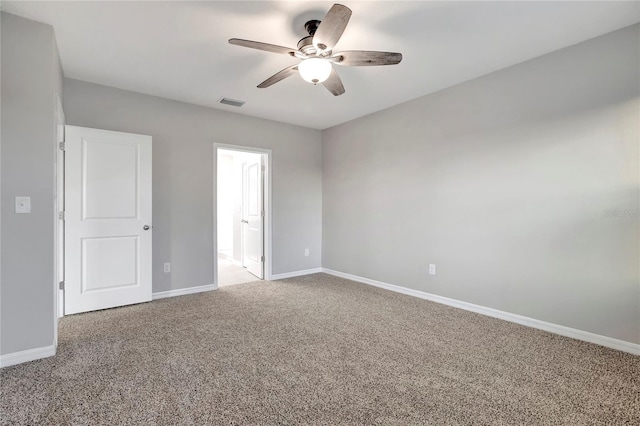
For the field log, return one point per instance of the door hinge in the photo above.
(262, 213)
(261, 258)
(262, 168)
(61, 146)
(61, 215)
(61, 285)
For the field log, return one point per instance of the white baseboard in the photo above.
(26, 356)
(586, 336)
(296, 273)
(183, 291)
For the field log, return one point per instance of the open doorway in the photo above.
(241, 223)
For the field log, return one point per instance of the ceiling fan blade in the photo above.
(334, 84)
(280, 75)
(263, 46)
(331, 27)
(362, 58)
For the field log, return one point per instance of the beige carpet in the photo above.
(316, 350)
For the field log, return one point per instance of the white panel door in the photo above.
(107, 219)
(254, 218)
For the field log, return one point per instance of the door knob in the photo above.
(146, 227)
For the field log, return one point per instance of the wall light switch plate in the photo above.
(167, 267)
(23, 204)
(432, 269)
(306, 252)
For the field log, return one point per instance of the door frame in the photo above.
(267, 154)
(58, 203)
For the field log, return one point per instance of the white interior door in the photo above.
(253, 212)
(107, 219)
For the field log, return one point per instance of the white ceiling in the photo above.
(179, 50)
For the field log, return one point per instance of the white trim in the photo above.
(58, 224)
(183, 291)
(296, 273)
(26, 356)
(621, 345)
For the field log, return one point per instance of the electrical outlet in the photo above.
(432, 269)
(306, 252)
(167, 267)
(23, 204)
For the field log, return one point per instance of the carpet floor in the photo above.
(316, 350)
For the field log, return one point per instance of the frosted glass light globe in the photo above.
(314, 70)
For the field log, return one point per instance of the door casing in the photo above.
(58, 260)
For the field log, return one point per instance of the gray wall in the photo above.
(183, 137)
(503, 182)
(31, 78)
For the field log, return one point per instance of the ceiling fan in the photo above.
(316, 52)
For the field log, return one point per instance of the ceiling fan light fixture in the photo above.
(315, 70)
(316, 53)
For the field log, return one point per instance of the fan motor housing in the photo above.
(305, 45)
